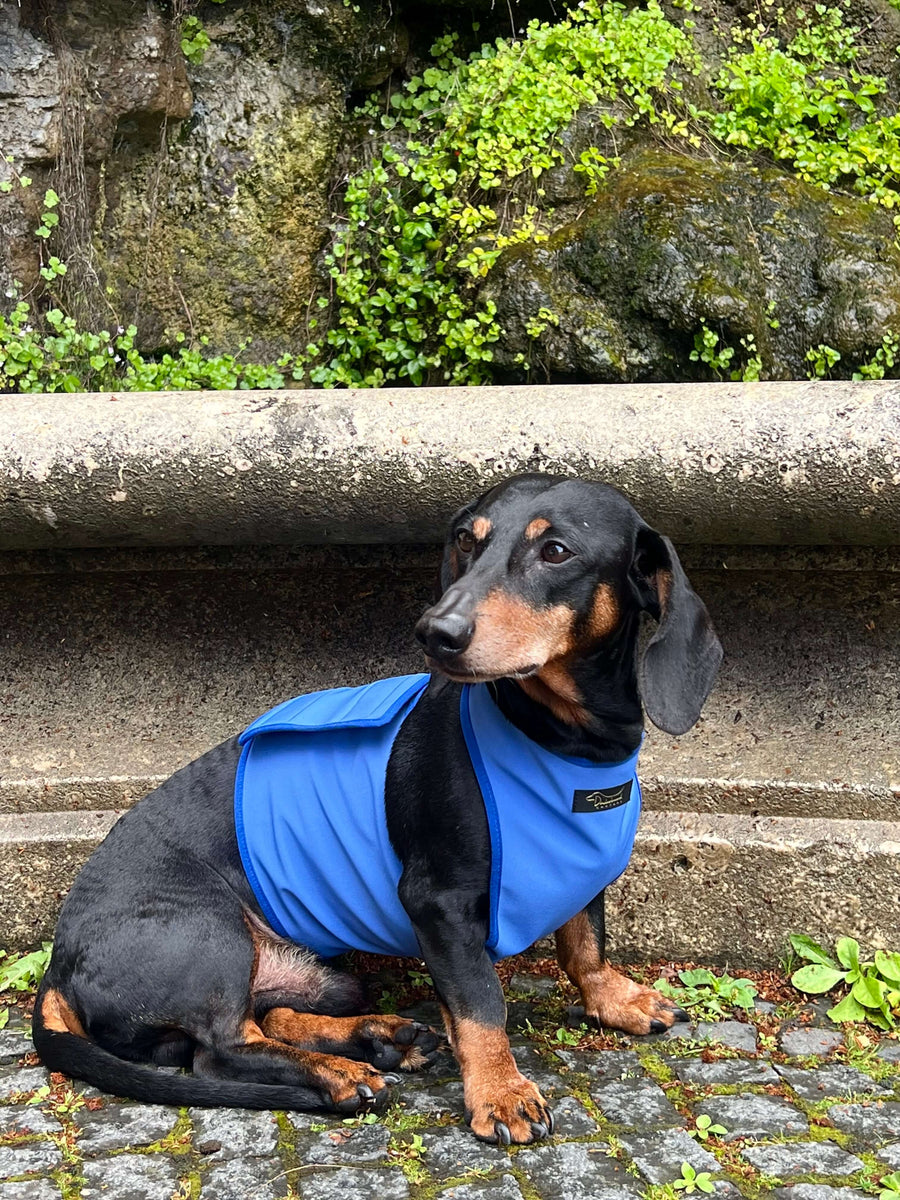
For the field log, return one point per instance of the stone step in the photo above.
(713, 887)
(116, 672)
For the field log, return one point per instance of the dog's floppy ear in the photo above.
(681, 660)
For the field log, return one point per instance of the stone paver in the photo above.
(811, 1041)
(576, 1172)
(872, 1123)
(571, 1119)
(27, 1118)
(439, 1099)
(454, 1151)
(638, 1103)
(533, 985)
(504, 1188)
(130, 1177)
(23, 1079)
(346, 1147)
(605, 1064)
(727, 1073)
(245, 1179)
(834, 1080)
(233, 1133)
(658, 1156)
(802, 1158)
(33, 1189)
(349, 1184)
(13, 1044)
(890, 1155)
(817, 1191)
(41, 1157)
(747, 1115)
(120, 1125)
(736, 1034)
(890, 1051)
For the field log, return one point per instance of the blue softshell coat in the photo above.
(312, 832)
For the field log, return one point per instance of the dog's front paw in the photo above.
(516, 1113)
(620, 1003)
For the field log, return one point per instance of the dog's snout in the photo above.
(445, 634)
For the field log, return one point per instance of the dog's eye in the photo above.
(555, 552)
(465, 541)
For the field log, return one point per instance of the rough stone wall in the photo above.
(194, 197)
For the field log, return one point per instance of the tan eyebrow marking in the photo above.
(536, 528)
(481, 527)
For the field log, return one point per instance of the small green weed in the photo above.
(707, 995)
(704, 1128)
(889, 1187)
(693, 1181)
(874, 994)
(24, 972)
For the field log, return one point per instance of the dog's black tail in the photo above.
(83, 1059)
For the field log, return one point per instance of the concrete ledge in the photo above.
(802, 463)
(729, 888)
(40, 855)
(718, 887)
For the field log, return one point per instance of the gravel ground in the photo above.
(808, 1115)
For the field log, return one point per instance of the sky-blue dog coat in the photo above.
(311, 826)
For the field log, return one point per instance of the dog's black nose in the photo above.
(445, 634)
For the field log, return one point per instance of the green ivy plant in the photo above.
(874, 987)
(420, 226)
(195, 40)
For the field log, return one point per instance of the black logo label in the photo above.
(601, 799)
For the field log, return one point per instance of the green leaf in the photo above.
(50, 198)
(847, 950)
(848, 1010)
(810, 950)
(4, 1018)
(816, 978)
(888, 965)
(868, 991)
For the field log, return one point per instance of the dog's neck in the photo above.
(591, 710)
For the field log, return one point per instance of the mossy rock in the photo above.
(673, 244)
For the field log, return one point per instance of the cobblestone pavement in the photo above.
(807, 1116)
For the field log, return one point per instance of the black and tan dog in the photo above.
(164, 953)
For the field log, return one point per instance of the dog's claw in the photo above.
(657, 1026)
(551, 1124)
(503, 1134)
(681, 1015)
(539, 1129)
(391, 1078)
(365, 1091)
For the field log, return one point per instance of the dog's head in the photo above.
(543, 572)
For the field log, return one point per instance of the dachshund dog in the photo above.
(457, 816)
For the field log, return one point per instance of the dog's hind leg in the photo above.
(342, 1085)
(610, 999)
(389, 1043)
